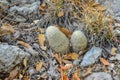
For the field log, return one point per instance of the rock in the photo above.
(22, 1)
(4, 2)
(52, 70)
(57, 40)
(116, 32)
(116, 57)
(25, 11)
(10, 56)
(26, 8)
(31, 71)
(91, 56)
(20, 19)
(76, 62)
(78, 41)
(111, 66)
(116, 77)
(99, 76)
(112, 7)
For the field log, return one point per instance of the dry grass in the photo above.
(96, 20)
(65, 12)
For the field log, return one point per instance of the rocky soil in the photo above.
(34, 46)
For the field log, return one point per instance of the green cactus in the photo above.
(78, 41)
(57, 40)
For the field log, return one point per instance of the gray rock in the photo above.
(99, 76)
(76, 62)
(113, 7)
(78, 41)
(91, 56)
(19, 18)
(116, 77)
(52, 71)
(31, 71)
(10, 56)
(23, 1)
(116, 57)
(57, 40)
(26, 8)
(116, 32)
(4, 2)
(25, 12)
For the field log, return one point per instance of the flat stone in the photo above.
(23, 1)
(26, 8)
(99, 76)
(116, 32)
(10, 56)
(91, 56)
(116, 57)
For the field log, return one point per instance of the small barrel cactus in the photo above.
(57, 40)
(78, 41)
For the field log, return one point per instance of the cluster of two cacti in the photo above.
(60, 43)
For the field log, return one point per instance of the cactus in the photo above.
(57, 40)
(78, 41)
